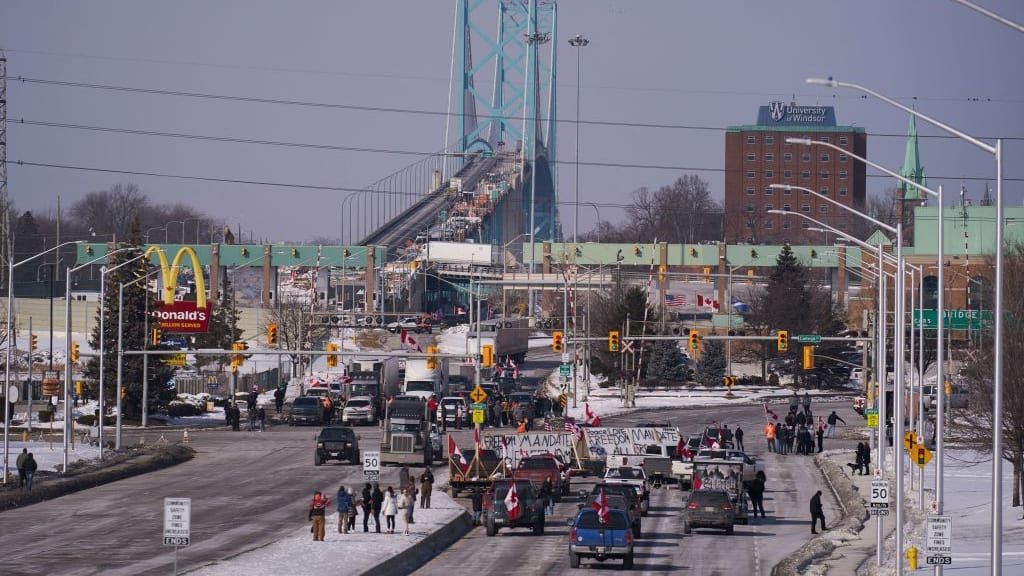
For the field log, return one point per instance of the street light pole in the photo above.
(577, 42)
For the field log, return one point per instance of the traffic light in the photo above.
(432, 360)
(662, 273)
(557, 342)
(694, 339)
(237, 359)
(808, 357)
(74, 352)
(613, 341)
(33, 343)
(487, 355)
(782, 340)
(332, 360)
(271, 334)
(750, 277)
(155, 336)
(707, 274)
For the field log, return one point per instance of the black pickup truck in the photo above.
(530, 507)
(336, 443)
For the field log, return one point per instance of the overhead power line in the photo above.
(424, 154)
(413, 111)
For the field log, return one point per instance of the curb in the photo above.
(847, 527)
(419, 553)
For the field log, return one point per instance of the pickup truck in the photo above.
(540, 467)
(336, 443)
(531, 514)
(632, 476)
(591, 538)
(630, 496)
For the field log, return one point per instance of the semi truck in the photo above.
(507, 342)
(408, 434)
(422, 380)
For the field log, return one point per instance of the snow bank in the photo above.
(48, 455)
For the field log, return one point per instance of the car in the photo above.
(538, 467)
(306, 410)
(631, 501)
(633, 476)
(496, 515)
(589, 537)
(409, 324)
(336, 443)
(359, 409)
(452, 404)
(708, 509)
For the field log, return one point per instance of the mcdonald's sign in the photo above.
(181, 316)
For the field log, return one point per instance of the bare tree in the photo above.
(295, 328)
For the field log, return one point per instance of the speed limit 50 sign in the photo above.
(371, 465)
(879, 503)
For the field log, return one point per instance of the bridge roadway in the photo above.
(422, 215)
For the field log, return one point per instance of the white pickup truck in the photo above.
(633, 476)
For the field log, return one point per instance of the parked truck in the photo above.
(422, 380)
(407, 433)
(375, 376)
(507, 342)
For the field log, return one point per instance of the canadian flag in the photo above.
(706, 302)
(512, 503)
(476, 437)
(409, 341)
(768, 413)
(600, 505)
(454, 452)
(591, 418)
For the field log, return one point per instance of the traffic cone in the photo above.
(184, 439)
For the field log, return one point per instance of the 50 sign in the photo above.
(371, 465)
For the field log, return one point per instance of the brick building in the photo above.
(758, 155)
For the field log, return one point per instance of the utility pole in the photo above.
(6, 244)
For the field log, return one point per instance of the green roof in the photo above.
(879, 238)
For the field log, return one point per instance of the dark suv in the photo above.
(306, 410)
(531, 509)
(336, 443)
(708, 509)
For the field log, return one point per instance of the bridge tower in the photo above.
(519, 115)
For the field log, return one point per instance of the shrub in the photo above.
(177, 409)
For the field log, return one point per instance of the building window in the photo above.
(842, 191)
(786, 207)
(787, 173)
(787, 191)
(842, 141)
(805, 225)
(805, 192)
(769, 139)
(749, 208)
(769, 173)
(751, 156)
(825, 175)
(769, 157)
(769, 191)
(750, 190)
(824, 190)
(805, 208)
(785, 223)
(842, 174)
(806, 157)
(842, 157)
(805, 174)
(769, 207)
(823, 209)
(750, 173)
(826, 139)
(751, 139)
(768, 225)
(824, 156)
(787, 157)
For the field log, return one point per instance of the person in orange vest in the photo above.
(521, 429)
(769, 434)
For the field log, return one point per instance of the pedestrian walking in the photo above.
(426, 487)
(817, 513)
(279, 399)
(317, 512)
(478, 505)
(390, 509)
(547, 496)
(22, 458)
(832, 419)
(794, 403)
(867, 459)
(727, 435)
(353, 510)
(377, 500)
(820, 433)
(755, 488)
(769, 435)
(236, 417)
(367, 502)
(807, 404)
(343, 504)
(261, 417)
(30, 470)
(739, 438)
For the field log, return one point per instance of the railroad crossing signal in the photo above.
(74, 352)
(271, 334)
(613, 341)
(808, 358)
(694, 339)
(557, 341)
(332, 360)
(487, 355)
(782, 340)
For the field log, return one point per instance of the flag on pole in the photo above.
(591, 418)
(512, 508)
(454, 452)
(675, 300)
(600, 505)
(547, 424)
(409, 341)
(769, 415)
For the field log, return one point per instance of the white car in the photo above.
(409, 323)
(634, 476)
(452, 406)
(359, 409)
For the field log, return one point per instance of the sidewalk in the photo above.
(355, 553)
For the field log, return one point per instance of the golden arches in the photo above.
(170, 273)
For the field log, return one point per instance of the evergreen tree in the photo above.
(665, 362)
(609, 312)
(710, 367)
(135, 331)
(27, 243)
(223, 327)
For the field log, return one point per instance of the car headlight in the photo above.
(319, 444)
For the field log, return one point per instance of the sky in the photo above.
(679, 62)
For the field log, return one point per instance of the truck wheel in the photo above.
(491, 528)
(627, 562)
(686, 528)
(354, 459)
(538, 527)
(574, 560)
(636, 530)
(317, 460)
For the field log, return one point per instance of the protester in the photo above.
(22, 458)
(755, 488)
(279, 399)
(832, 419)
(30, 470)
(547, 496)
(405, 503)
(820, 433)
(807, 404)
(769, 435)
(261, 417)
(377, 500)
(317, 511)
(817, 512)
(390, 509)
(867, 459)
(738, 435)
(478, 505)
(426, 487)
(367, 501)
(353, 510)
(343, 505)
(409, 491)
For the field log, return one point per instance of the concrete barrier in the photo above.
(419, 553)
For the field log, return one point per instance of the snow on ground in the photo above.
(48, 455)
(356, 552)
(452, 340)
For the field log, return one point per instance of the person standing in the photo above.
(403, 477)
(820, 432)
(30, 470)
(444, 418)
(817, 512)
(478, 505)
(377, 500)
(22, 458)
(390, 509)
(261, 417)
(794, 402)
(353, 510)
(409, 491)
(426, 487)
(317, 511)
(867, 459)
(367, 501)
(460, 415)
(236, 417)
(343, 504)
(432, 407)
(832, 419)
(756, 490)
(726, 434)
(547, 496)
(739, 438)
(769, 435)
(279, 399)
(807, 404)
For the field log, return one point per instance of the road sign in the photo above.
(565, 357)
(910, 441)
(809, 339)
(177, 521)
(627, 345)
(174, 360)
(872, 416)
(371, 465)
(563, 370)
(921, 455)
(939, 541)
(879, 503)
(478, 416)
(480, 406)
(954, 319)
(478, 395)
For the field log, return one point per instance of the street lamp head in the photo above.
(780, 186)
(783, 212)
(578, 41)
(830, 82)
(804, 141)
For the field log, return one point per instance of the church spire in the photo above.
(911, 169)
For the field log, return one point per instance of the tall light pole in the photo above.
(10, 344)
(728, 343)
(504, 272)
(577, 42)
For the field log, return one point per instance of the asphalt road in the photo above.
(663, 548)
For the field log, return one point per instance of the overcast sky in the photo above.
(649, 61)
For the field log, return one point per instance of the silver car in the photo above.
(359, 409)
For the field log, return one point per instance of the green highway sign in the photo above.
(809, 339)
(954, 319)
(477, 406)
(563, 370)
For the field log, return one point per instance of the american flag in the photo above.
(547, 425)
(675, 301)
(572, 428)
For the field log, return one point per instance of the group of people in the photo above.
(374, 503)
(257, 417)
(862, 460)
(27, 466)
(798, 430)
